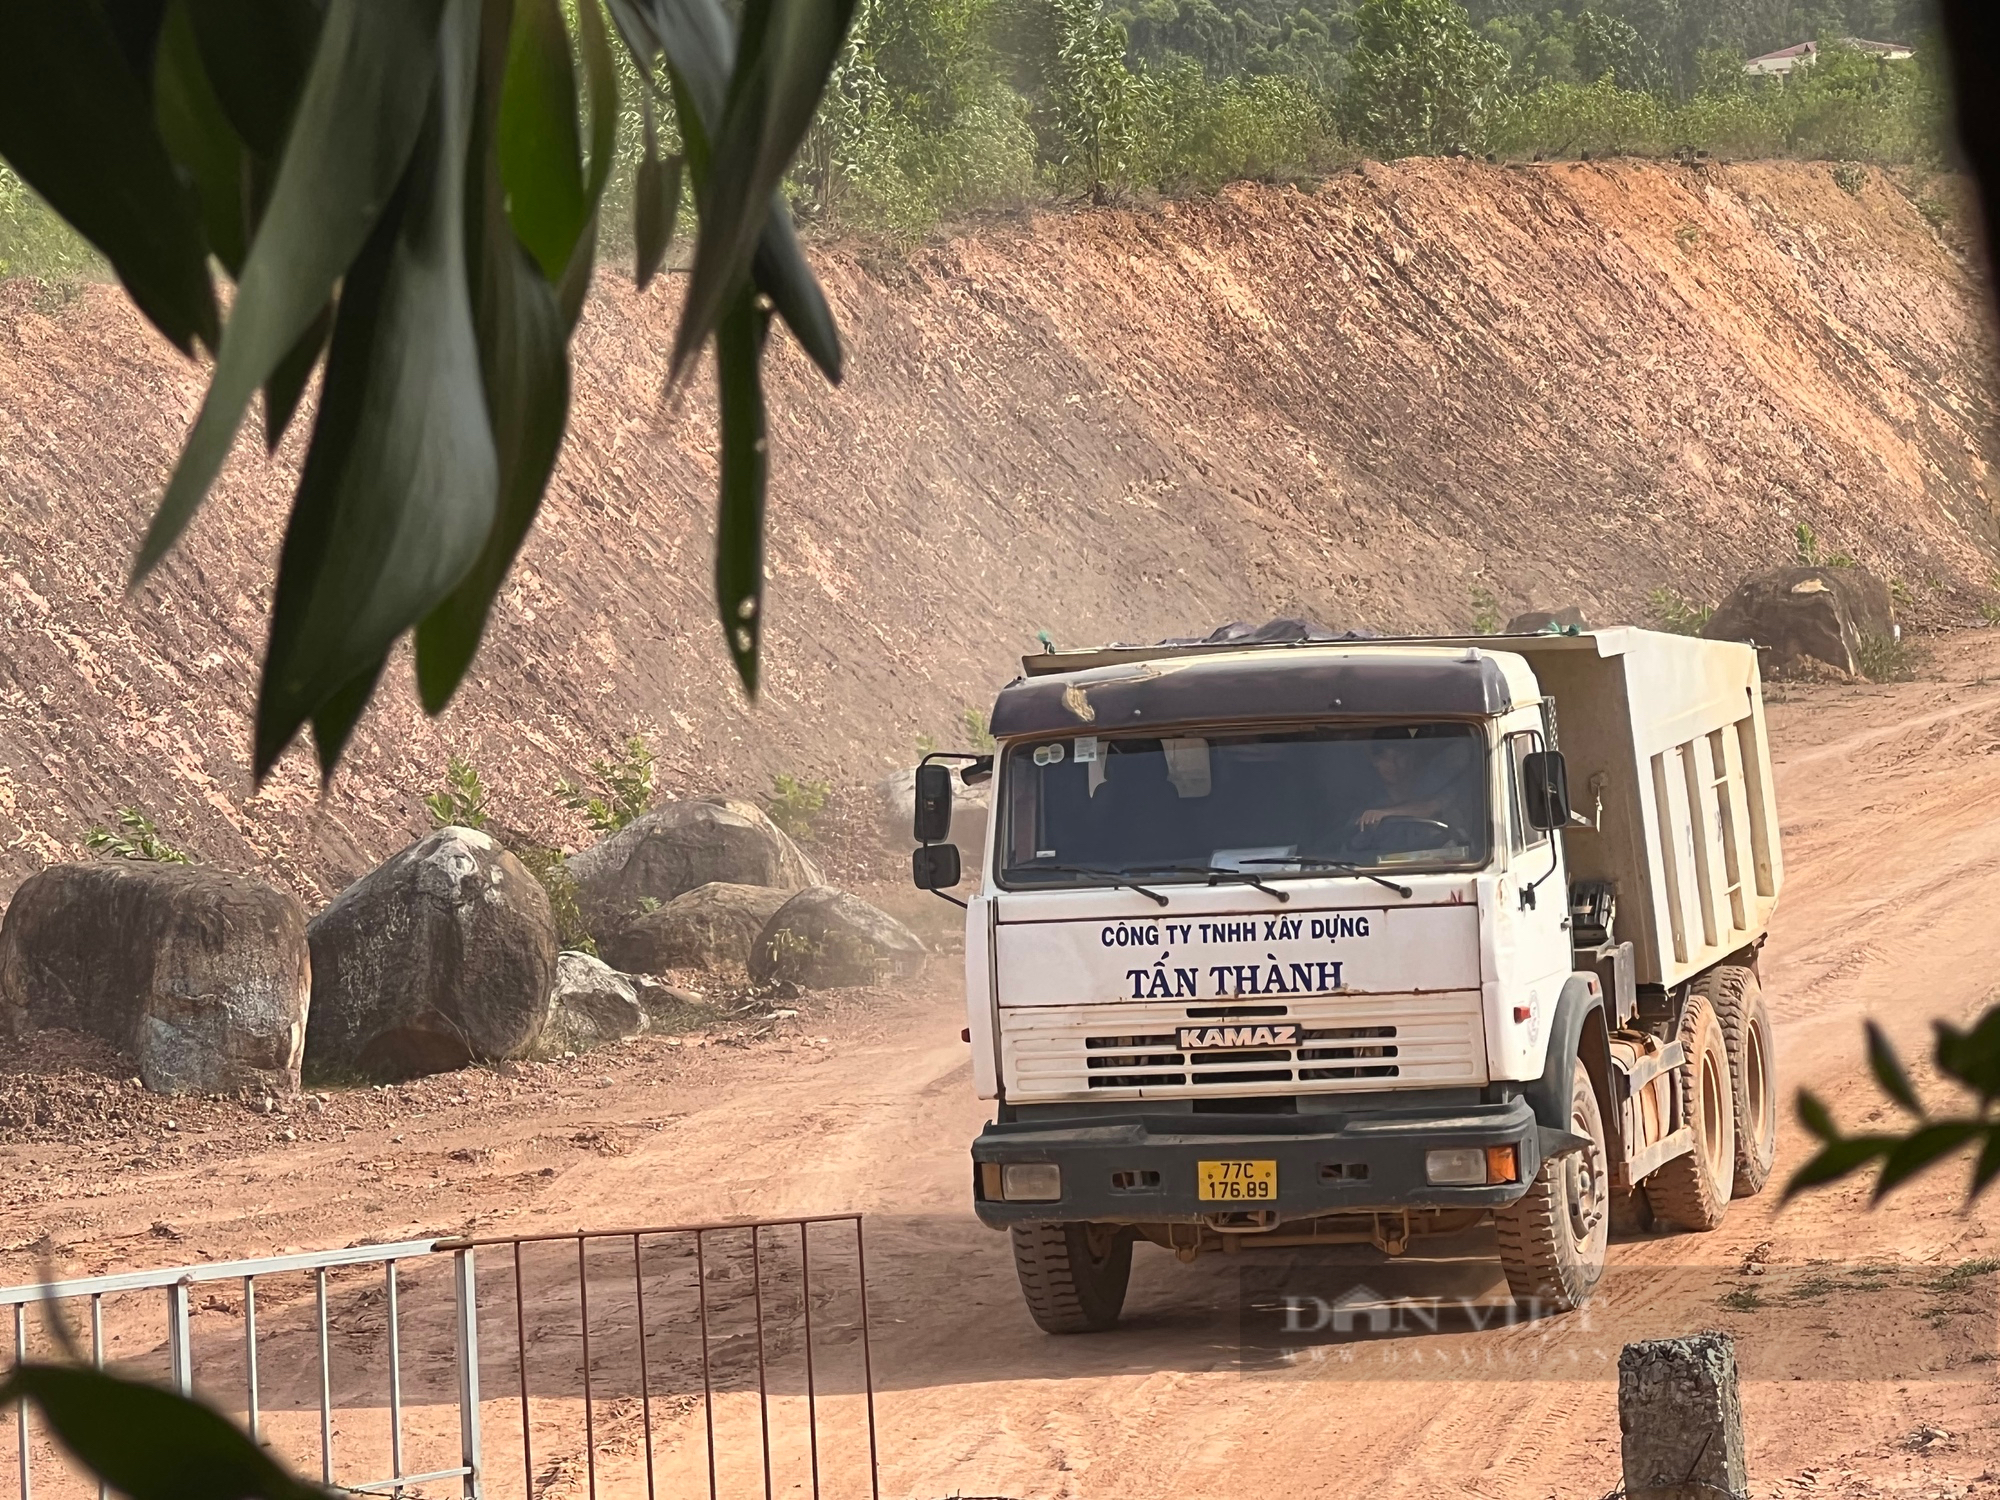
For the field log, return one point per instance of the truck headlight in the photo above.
(1031, 1182)
(1456, 1166)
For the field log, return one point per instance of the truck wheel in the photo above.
(1693, 1190)
(1073, 1275)
(1746, 1032)
(1552, 1237)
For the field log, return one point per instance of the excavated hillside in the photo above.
(1420, 393)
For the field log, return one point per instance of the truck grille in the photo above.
(1351, 1041)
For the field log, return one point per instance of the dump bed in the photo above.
(1667, 733)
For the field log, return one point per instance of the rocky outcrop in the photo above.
(711, 926)
(201, 976)
(897, 797)
(591, 1004)
(826, 939)
(444, 956)
(680, 847)
(1827, 615)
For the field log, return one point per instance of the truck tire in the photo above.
(1552, 1237)
(1746, 1031)
(1693, 1190)
(1073, 1275)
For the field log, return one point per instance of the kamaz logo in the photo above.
(1211, 1038)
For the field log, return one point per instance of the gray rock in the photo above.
(201, 976)
(445, 955)
(591, 1004)
(679, 847)
(826, 939)
(970, 808)
(1800, 614)
(1535, 621)
(709, 927)
(1680, 1419)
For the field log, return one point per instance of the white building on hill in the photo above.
(1785, 59)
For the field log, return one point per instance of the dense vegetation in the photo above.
(942, 108)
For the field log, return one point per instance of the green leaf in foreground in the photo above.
(357, 121)
(739, 530)
(657, 201)
(78, 126)
(399, 489)
(149, 1443)
(524, 373)
(785, 53)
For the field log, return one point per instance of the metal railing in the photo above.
(760, 1326)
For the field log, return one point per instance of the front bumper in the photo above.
(1142, 1169)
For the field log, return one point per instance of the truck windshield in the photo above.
(1276, 804)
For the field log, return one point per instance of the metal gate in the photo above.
(729, 1358)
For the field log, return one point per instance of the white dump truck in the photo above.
(1317, 943)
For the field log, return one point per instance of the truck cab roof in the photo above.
(1127, 688)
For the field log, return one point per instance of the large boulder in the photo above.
(445, 955)
(825, 939)
(709, 927)
(201, 976)
(897, 798)
(591, 1004)
(678, 847)
(1820, 614)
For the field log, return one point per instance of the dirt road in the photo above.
(1864, 1335)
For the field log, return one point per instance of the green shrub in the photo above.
(137, 839)
(977, 735)
(1888, 658)
(550, 867)
(462, 803)
(795, 805)
(1566, 119)
(1201, 134)
(621, 788)
(1674, 611)
(1485, 612)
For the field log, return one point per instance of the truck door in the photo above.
(1528, 955)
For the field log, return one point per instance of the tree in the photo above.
(1607, 46)
(1419, 79)
(404, 197)
(1096, 99)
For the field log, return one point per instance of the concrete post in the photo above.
(1681, 1420)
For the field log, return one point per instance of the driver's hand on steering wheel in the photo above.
(1371, 816)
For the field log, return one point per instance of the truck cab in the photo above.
(1287, 946)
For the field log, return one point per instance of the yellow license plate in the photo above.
(1238, 1181)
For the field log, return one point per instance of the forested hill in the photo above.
(1420, 395)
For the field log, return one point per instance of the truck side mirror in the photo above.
(1545, 789)
(934, 867)
(932, 824)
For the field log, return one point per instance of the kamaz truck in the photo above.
(1366, 941)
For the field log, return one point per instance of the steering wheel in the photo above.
(1402, 833)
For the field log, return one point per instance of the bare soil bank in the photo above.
(1420, 385)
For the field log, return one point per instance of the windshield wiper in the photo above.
(1114, 877)
(1334, 864)
(1214, 876)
